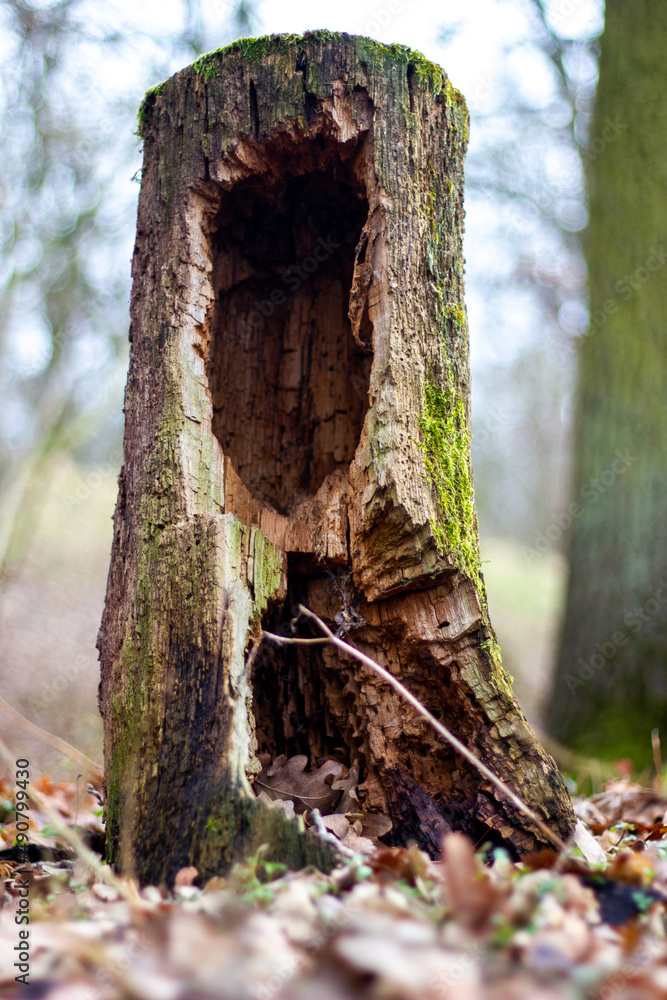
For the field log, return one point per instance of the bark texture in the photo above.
(610, 688)
(297, 418)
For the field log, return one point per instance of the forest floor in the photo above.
(390, 923)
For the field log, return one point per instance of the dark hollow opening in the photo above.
(292, 687)
(288, 383)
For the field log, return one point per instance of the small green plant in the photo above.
(251, 878)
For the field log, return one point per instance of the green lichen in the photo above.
(491, 647)
(446, 448)
(457, 314)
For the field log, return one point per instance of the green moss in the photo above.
(427, 72)
(237, 826)
(266, 574)
(252, 49)
(431, 74)
(446, 448)
(146, 105)
(210, 65)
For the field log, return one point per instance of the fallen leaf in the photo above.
(390, 863)
(186, 876)
(470, 892)
(285, 806)
(370, 824)
(106, 893)
(588, 846)
(288, 779)
(360, 845)
(631, 867)
(340, 825)
(625, 801)
(348, 786)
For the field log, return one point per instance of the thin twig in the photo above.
(53, 741)
(435, 723)
(294, 641)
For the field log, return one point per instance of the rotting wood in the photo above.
(297, 417)
(421, 710)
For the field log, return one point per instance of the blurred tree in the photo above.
(65, 229)
(62, 312)
(610, 687)
(526, 205)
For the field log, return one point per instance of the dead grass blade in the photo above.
(53, 741)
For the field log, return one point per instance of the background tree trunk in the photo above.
(297, 431)
(610, 687)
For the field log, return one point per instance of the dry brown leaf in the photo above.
(624, 801)
(631, 867)
(106, 893)
(186, 876)
(390, 863)
(285, 806)
(360, 845)
(370, 824)
(471, 894)
(288, 779)
(340, 825)
(348, 786)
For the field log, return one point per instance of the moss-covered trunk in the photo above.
(297, 431)
(611, 683)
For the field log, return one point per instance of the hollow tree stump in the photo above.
(297, 430)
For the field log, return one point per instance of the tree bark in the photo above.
(297, 417)
(609, 690)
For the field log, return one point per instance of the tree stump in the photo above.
(297, 431)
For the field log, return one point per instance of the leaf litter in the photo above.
(389, 923)
(330, 790)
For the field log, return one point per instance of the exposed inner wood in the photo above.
(289, 367)
(289, 384)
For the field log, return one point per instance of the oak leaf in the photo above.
(288, 779)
